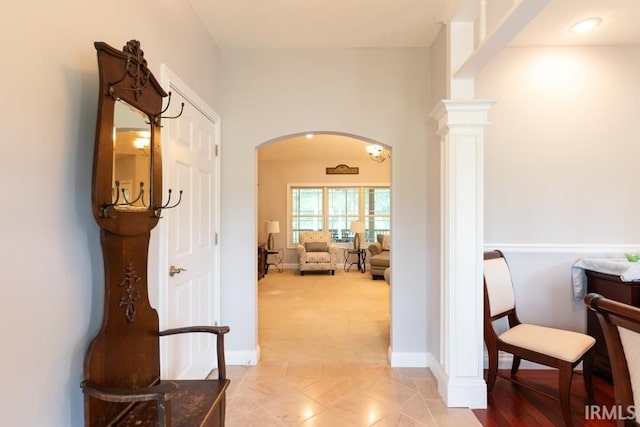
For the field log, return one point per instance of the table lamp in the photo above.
(271, 227)
(356, 228)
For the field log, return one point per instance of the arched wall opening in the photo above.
(317, 160)
(382, 94)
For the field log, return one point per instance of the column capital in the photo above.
(461, 113)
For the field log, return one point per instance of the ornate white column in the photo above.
(461, 129)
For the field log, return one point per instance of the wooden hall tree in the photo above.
(122, 384)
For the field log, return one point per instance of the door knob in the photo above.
(175, 270)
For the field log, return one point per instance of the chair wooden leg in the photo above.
(493, 369)
(587, 369)
(566, 374)
(515, 365)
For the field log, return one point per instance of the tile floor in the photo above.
(324, 342)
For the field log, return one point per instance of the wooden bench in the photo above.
(180, 403)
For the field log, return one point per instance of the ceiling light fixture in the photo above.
(377, 153)
(585, 26)
(143, 140)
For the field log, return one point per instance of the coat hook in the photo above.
(176, 116)
(158, 210)
(130, 203)
(106, 208)
(159, 116)
(168, 103)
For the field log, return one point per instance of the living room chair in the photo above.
(621, 329)
(316, 252)
(556, 348)
(380, 255)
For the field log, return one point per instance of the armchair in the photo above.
(316, 252)
(380, 256)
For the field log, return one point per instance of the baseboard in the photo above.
(436, 368)
(408, 359)
(242, 358)
(460, 393)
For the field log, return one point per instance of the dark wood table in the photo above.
(262, 259)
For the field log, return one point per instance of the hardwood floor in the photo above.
(514, 405)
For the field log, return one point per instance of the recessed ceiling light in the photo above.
(309, 135)
(585, 26)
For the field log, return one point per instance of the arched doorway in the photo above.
(303, 309)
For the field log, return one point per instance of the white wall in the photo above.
(52, 262)
(380, 94)
(561, 161)
(438, 92)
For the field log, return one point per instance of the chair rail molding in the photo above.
(566, 248)
(461, 129)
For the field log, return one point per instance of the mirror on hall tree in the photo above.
(131, 158)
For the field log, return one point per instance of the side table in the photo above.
(273, 257)
(361, 256)
(262, 260)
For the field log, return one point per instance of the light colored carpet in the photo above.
(322, 318)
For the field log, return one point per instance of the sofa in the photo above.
(380, 256)
(316, 252)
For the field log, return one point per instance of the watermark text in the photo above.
(615, 412)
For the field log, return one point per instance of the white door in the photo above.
(191, 296)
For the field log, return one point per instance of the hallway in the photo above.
(324, 342)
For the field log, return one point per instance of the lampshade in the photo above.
(271, 227)
(357, 227)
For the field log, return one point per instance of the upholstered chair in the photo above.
(316, 252)
(380, 256)
(621, 329)
(556, 348)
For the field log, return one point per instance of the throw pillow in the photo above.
(315, 246)
(386, 242)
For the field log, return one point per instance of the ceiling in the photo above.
(388, 24)
(397, 23)
(619, 27)
(320, 23)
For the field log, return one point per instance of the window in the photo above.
(377, 212)
(306, 210)
(334, 208)
(343, 208)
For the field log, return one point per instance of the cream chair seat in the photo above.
(316, 252)
(566, 345)
(552, 347)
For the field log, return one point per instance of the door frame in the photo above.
(159, 251)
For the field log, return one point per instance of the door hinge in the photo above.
(217, 149)
(216, 238)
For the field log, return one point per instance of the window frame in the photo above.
(362, 187)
